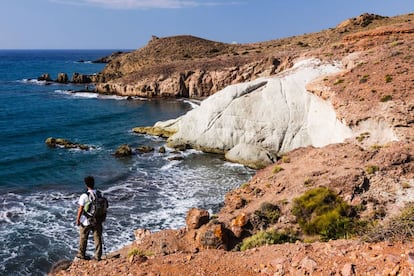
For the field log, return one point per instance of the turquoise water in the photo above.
(39, 186)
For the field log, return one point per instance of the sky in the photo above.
(129, 24)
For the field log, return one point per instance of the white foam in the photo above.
(193, 103)
(34, 81)
(90, 95)
(86, 62)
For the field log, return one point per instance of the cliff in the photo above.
(187, 66)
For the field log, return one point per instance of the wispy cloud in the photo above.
(144, 4)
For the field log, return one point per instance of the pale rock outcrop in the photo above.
(252, 122)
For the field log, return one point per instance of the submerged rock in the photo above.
(63, 143)
(123, 151)
(145, 149)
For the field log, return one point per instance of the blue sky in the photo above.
(129, 24)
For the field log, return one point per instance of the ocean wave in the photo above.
(84, 61)
(35, 81)
(90, 95)
(150, 197)
(193, 103)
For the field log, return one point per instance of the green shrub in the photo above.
(372, 169)
(136, 252)
(363, 136)
(338, 81)
(245, 185)
(386, 98)
(268, 212)
(320, 211)
(266, 237)
(388, 78)
(277, 169)
(364, 79)
(308, 182)
(285, 159)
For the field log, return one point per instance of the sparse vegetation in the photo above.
(302, 44)
(364, 79)
(268, 212)
(321, 212)
(266, 237)
(285, 159)
(363, 136)
(398, 228)
(376, 147)
(371, 169)
(277, 169)
(308, 182)
(386, 98)
(245, 185)
(339, 81)
(137, 252)
(388, 78)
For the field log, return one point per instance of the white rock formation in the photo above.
(252, 122)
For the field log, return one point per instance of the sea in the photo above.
(40, 186)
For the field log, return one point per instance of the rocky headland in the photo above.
(328, 116)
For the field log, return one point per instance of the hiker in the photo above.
(90, 218)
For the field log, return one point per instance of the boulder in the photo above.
(81, 78)
(62, 78)
(140, 234)
(123, 151)
(238, 223)
(145, 149)
(176, 158)
(196, 218)
(44, 77)
(51, 142)
(253, 156)
(213, 235)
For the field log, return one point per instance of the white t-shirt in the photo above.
(83, 199)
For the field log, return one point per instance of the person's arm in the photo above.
(80, 210)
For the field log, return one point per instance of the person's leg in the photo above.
(97, 237)
(83, 241)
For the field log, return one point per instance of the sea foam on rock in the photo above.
(252, 122)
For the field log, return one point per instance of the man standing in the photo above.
(87, 225)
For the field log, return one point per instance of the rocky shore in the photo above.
(327, 116)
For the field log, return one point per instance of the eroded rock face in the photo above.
(193, 84)
(252, 122)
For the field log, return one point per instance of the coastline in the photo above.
(371, 174)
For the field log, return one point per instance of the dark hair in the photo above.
(89, 181)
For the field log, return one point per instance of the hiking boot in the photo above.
(96, 259)
(82, 257)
